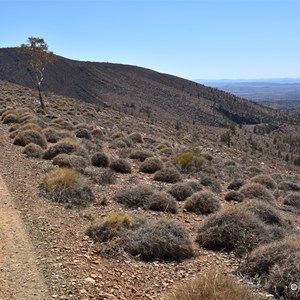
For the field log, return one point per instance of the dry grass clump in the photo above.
(162, 201)
(53, 135)
(169, 175)
(64, 124)
(234, 196)
(136, 137)
(105, 177)
(14, 128)
(236, 184)
(33, 150)
(76, 162)
(253, 171)
(159, 240)
(100, 160)
(10, 118)
(141, 155)
(202, 203)
(83, 133)
(26, 137)
(292, 199)
(117, 134)
(256, 191)
(235, 230)
(67, 146)
(211, 286)
(289, 186)
(181, 191)
(147, 239)
(67, 186)
(135, 197)
(120, 166)
(97, 133)
(151, 165)
(265, 180)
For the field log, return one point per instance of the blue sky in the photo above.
(207, 39)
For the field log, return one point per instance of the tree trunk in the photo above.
(41, 99)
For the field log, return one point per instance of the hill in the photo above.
(277, 93)
(140, 91)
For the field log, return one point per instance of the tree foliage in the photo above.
(37, 49)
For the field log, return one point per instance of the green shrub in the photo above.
(189, 162)
(202, 203)
(211, 286)
(67, 146)
(169, 175)
(33, 150)
(120, 166)
(234, 196)
(181, 191)
(26, 137)
(265, 180)
(100, 160)
(151, 165)
(256, 191)
(67, 186)
(292, 199)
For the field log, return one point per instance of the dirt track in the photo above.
(19, 275)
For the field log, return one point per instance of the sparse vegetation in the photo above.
(169, 175)
(120, 166)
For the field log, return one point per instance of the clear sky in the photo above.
(207, 39)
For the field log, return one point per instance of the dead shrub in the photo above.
(53, 135)
(106, 177)
(260, 262)
(120, 166)
(159, 240)
(234, 196)
(64, 124)
(256, 191)
(83, 133)
(211, 182)
(26, 137)
(292, 199)
(235, 230)
(67, 146)
(283, 276)
(151, 165)
(162, 201)
(98, 133)
(135, 197)
(33, 150)
(140, 155)
(169, 175)
(76, 162)
(100, 160)
(203, 203)
(10, 118)
(181, 191)
(14, 128)
(265, 180)
(67, 186)
(211, 286)
(253, 171)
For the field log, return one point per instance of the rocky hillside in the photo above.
(140, 92)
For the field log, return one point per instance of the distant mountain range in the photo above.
(274, 92)
(140, 91)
